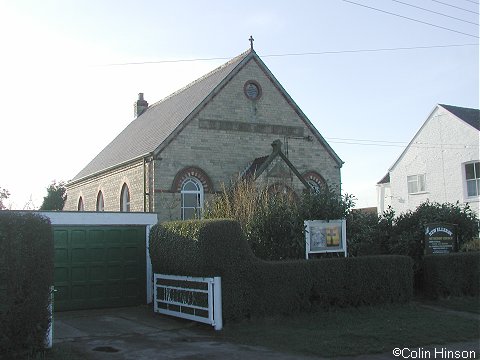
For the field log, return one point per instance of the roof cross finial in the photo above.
(251, 42)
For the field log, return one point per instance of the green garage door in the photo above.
(99, 266)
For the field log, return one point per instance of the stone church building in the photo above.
(235, 121)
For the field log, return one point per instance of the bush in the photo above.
(26, 274)
(252, 287)
(455, 274)
(207, 248)
(472, 245)
(409, 228)
(274, 223)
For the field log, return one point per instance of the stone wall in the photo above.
(220, 141)
(110, 183)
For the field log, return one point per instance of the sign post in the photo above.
(440, 238)
(324, 236)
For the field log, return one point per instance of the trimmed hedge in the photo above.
(252, 287)
(454, 274)
(26, 274)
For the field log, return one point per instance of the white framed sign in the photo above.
(324, 236)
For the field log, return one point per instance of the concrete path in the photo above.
(137, 333)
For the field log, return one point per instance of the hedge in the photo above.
(26, 274)
(455, 274)
(252, 287)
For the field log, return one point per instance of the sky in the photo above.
(367, 73)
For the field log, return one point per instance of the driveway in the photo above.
(137, 333)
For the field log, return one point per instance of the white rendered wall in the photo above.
(439, 150)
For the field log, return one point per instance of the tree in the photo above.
(56, 196)
(4, 194)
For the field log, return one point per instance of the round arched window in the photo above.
(100, 202)
(80, 206)
(192, 198)
(125, 199)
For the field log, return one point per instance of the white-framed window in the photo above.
(125, 199)
(472, 178)
(192, 198)
(416, 183)
(100, 202)
(80, 206)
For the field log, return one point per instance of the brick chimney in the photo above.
(140, 105)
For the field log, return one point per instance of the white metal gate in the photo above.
(193, 298)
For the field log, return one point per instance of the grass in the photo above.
(354, 331)
(467, 303)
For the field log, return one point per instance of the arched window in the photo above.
(315, 186)
(125, 199)
(316, 181)
(192, 198)
(100, 202)
(80, 206)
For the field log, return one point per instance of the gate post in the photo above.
(217, 303)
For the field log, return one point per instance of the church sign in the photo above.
(324, 236)
(440, 238)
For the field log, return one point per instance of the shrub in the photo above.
(409, 228)
(273, 222)
(276, 232)
(455, 274)
(26, 273)
(472, 245)
(252, 287)
(207, 248)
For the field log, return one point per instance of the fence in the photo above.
(192, 298)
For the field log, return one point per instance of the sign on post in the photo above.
(324, 236)
(440, 238)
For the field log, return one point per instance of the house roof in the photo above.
(150, 132)
(470, 116)
(385, 179)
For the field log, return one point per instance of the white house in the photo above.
(440, 164)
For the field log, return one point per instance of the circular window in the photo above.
(252, 90)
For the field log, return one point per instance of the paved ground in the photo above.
(137, 333)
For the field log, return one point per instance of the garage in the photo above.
(101, 259)
(100, 266)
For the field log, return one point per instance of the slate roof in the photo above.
(385, 179)
(470, 116)
(144, 134)
(153, 129)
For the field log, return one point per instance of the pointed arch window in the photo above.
(80, 206)
(192, 198)
(125, 199)
(100, 202)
